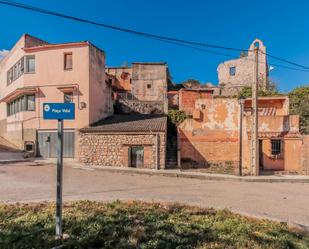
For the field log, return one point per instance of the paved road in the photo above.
(282, 201)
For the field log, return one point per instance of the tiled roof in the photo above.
(130, 123)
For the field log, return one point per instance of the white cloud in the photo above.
(3, 53)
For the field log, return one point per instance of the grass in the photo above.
(140, 225)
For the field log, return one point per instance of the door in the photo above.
(47, 143)
(137, 156)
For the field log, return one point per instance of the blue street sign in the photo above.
(58, 111)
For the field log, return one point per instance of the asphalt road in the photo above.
(26, 182)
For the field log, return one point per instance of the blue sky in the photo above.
(282, 25)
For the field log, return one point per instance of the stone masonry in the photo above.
(235, 74)
(113, 149)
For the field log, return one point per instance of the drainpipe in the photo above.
(178, 149)
(157, 152)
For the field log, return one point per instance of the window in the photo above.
(23, 103)
(232, 71)
(30, 103)
(15, 71)
(30, 64)
(276, 147)
(68, 61)
(68, 98)
(148, 86)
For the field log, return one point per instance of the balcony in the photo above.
(280, 125)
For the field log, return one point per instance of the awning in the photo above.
(19, 92)
(67, 89)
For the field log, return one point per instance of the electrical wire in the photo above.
(175, 41)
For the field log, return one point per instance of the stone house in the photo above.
(120, 78)
(36, 72)
(125, 141)
(141, 88)
(209, 137)
(235, 74)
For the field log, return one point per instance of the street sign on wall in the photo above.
(58, 111)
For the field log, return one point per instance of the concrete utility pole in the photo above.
(241, 102)
(255, 114)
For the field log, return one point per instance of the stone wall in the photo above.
(149, 82)
(113, 149)
(305, 154)
(244, 71)
(142, 107)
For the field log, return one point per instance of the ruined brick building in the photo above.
(235, 74)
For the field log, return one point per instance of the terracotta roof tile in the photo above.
(129, 123)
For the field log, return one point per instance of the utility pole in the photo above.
(241, 102)
(255, 114)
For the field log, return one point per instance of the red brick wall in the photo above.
(187, 99)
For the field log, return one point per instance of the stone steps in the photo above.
(5, 145)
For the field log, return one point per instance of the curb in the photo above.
(200, 176)
(15, 161)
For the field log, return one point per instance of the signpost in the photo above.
(60, 112)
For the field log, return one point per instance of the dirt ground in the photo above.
(31, 182)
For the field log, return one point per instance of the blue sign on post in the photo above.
(58, 111)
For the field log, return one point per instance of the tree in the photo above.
(191, 83)
(247, 92)
(299, 105)
(272, 86)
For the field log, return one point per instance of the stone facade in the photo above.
(126, 105)
(235, 74)
(106, 149)
(120, 77)
(305, 154)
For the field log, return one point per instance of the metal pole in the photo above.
(254, 135)
(240, 138)
(59, 180)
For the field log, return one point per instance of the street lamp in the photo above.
(241, 101)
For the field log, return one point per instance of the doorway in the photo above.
(137, 156)
(47, 143)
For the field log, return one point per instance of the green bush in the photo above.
(299, 104)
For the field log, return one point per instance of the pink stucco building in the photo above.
(35, 72)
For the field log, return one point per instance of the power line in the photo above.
(290, 62)
(32, 8)
(179, 42)
(230, 56)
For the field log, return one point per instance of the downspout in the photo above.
(157, 152)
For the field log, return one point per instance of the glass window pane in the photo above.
(68, 98)
(30, 64)
(30, 103)
(68, 61)
(232, 71)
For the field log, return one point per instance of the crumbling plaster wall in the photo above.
(213, 138)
